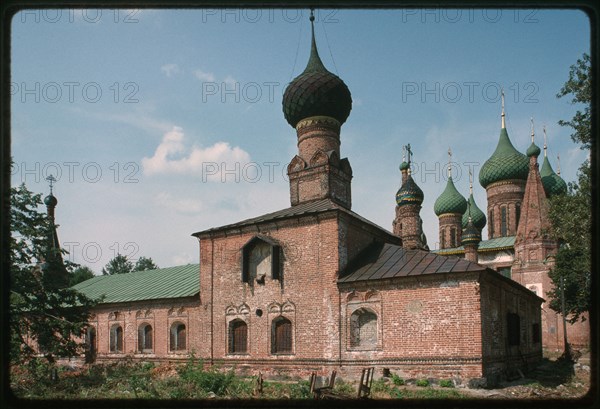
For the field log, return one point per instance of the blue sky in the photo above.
(161, 123)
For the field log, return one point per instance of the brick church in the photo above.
(315, 286)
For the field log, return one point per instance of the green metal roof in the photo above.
(477, 215)
(505, 163)
(450, 201)
(163, 283)
(533, 150)
(553, 184)
(498, 243)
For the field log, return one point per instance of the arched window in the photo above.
(281, 336)
(491, 224)
(503, 221)
(238, 337)
(443, 239)
(518, 212)
(116, 338)
(452, 236)
(145, 338)
(177, 341)
(90, 345)
(363, 328)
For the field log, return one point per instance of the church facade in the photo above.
(315, 286)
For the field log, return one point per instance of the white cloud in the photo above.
(170, 69)
(204, 76)
(213, 163)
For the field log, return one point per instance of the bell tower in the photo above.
(316, 103)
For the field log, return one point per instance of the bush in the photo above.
(211, 380)
(422, 383)
(344, 388)
(300, 390)
(446, 383)
(398, 381)
(380, 386)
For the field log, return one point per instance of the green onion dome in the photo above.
(409, 193)
(533, 150)
(404, 166)
(450, 201)
(470, 234)
(505, 163)
(477, 216)
(316, 92)
(50, 200)
(553, 184)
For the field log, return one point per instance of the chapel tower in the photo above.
(54, 272)
(316, 103)
(503, 177)
(535, 246)
(409, 200)
(449, 208)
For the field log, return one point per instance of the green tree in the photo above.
(44, 312)
(118, 265)
(579, 85)
(80, 274)
(570, 214)
(145, 263)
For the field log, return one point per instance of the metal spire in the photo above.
(558, 164)
(503, 115)
(51, 179)
(545, 144)
(404, 153)
(314, 61)
(532, 131)
(409, 152)
(470, 182)
(449, 162)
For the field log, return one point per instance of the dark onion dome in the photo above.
(404, 165)
(50, 200)
(316, 92)
(504, 164)
(450, 201)
(533, 150)
(477, 216)
(553, 184)
(470, 234)
(409, 193)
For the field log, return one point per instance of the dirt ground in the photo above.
(552, 379)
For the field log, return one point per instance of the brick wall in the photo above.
(306, 293)
(428, 326)
(500, 296)
(508, 194)
(160, 314)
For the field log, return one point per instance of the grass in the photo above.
(192, 380)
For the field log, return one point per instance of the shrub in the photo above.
(446, 383)
(398, 381)
(211, 380)
(300, 390)
(380, 386)
(344, 388)
(422, 382)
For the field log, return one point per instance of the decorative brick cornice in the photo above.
(316, 122)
